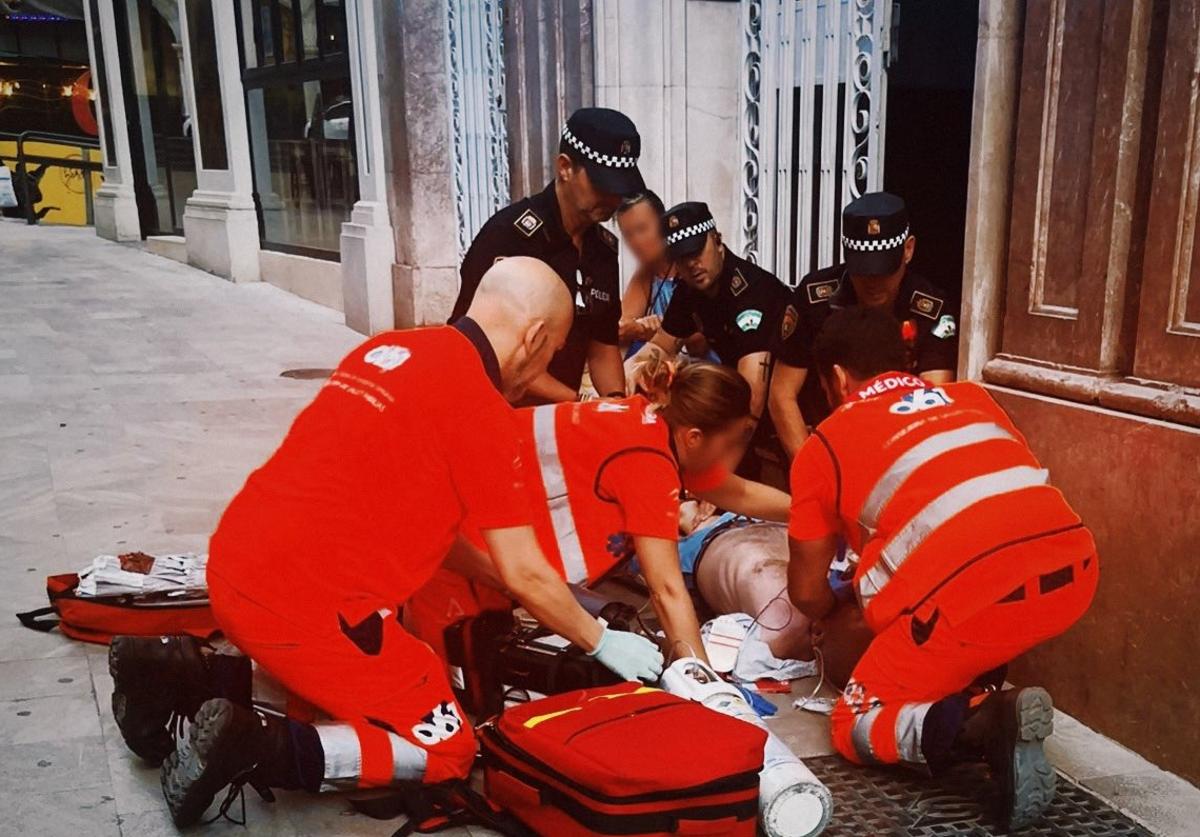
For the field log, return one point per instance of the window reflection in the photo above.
(304, 162)
(298, 100)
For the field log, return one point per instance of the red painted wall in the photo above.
(1131, 667)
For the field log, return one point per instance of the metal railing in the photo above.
(26, 185)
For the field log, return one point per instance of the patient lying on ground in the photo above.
(739, 565)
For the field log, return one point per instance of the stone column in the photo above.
(368, 242)
(116, 211)
(993, 120)
(415, 88)
(219, 220)
(673, 67)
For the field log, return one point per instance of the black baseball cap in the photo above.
(874, 229)
(685, 227)
(609, 144)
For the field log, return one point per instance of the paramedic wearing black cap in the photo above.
(735, 304)
(595, 168)
(878, 245)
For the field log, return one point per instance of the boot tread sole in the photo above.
(191, 780)
(1033, 778)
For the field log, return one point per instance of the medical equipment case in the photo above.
(624, 759)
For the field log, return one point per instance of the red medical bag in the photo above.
(625, 759)
(100, 618)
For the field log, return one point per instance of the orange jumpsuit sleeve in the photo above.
(645, 485)
(814, 492)
(480, 434)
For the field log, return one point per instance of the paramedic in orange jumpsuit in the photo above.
(969, 558)
(604, 480)
(314, 558)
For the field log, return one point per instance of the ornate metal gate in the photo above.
(478, 128)
(814, 92)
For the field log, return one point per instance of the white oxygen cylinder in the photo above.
(792, 802)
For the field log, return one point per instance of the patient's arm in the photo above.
(842, 637)
(752, 499)
(467, 559)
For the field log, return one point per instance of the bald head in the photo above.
(519, 290)
(525, 310)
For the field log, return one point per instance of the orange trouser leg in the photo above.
(446, 598)
(394, 716)
(881, 715)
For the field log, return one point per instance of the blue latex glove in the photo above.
(629, 656)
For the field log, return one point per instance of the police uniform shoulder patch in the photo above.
(788, 324)
(945, 328)
(738, 284)
(527, 223)
(926, 305)
(749, 320)
(819, 292)
(607, 237)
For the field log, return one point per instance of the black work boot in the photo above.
(159, 679)
(226, 745)
(1008, 730)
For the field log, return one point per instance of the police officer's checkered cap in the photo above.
(688, 232)
(614, 161)
(872, 246)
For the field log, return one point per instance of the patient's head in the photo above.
(526, 311)
(706, 407)
(854, 346)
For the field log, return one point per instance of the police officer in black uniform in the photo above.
(878, 246)
(596, 166)
(735, 304)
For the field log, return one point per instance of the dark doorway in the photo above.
(160, 144)
(931, 83)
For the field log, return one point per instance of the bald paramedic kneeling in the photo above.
(315, 557)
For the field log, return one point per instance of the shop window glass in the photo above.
(305, 168)
(301, 117)
(210, 114)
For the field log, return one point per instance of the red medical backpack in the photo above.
(99, 618)
(625, 759)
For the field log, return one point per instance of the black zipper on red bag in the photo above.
(634, 713)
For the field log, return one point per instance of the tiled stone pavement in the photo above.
(135, 395)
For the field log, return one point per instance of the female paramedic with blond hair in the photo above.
(604, 479)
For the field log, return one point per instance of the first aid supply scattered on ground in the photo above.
(734, 646)
(625, 759)
(137, 572)
(792, 801)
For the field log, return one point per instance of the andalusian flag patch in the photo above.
(749, 319)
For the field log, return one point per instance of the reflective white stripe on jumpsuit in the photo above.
(910, 719)
(943, 507)
(343, 757)
(555, 483)
(909, 723)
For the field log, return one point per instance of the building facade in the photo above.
(348, 150)
(1082, 314)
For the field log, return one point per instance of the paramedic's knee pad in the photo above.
(451, 758)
